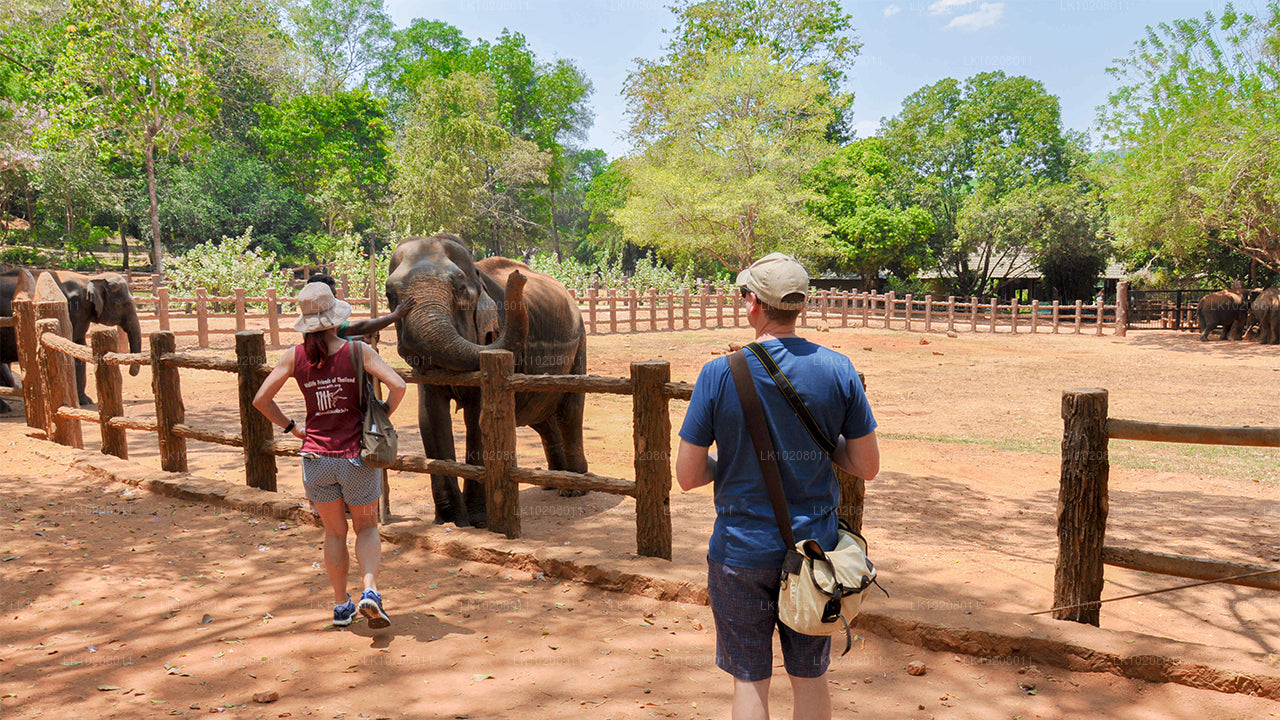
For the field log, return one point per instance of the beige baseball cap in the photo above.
(319, 309)
(774, 277)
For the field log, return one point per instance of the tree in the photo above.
(426, 50)
(453, 152)
(985, 137)
(1195, 125)
(864, 221)
(341, 41)
(334, 149)
(130, 68)
(727, 122)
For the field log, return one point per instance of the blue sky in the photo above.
(907, 44)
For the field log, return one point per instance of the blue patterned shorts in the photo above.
(326, 479)
(744, 603)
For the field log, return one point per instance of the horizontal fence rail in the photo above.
(1083, 506)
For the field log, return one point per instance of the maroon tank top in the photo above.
(334, 420)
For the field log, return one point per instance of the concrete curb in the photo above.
(999, 637)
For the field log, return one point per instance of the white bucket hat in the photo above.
(319, 309)
(774, 277)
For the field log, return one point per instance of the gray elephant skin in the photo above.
(103, 299)
(462, 307)
(1265, 311)
(1226, 309)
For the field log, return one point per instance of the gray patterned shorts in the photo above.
(326, 479)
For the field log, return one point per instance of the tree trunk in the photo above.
(153, 211)
(555, 233)
(124, 248)
(32, 233)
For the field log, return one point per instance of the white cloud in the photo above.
(892, 10)
(945, 7)
(866, 128)
(986, 15)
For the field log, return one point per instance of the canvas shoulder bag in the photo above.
(821, 590)
(378, 440)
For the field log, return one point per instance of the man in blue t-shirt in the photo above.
(745, 558)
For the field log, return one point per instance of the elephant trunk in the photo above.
(438, 342)
(133, 329)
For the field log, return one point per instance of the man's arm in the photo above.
(694, 466)
(357, 328)
(860, 457)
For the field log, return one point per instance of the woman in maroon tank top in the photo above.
(334, 478)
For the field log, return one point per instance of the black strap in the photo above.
(753, 413)
(793, 397)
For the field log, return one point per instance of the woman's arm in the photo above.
(377, 367)
(265, 401)
(359, 328)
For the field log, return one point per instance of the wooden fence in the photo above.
(1082, 505)
(50, 374)
(653, 312)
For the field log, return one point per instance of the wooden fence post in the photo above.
(866, 309)
(498, 437)
(202, 317)
(888, 309)
(108, 381)
(1079, 313)
(653, 310)
(684, 305)
(973, 311)
(671, 309)
(635, 309)
(846, 298)
(910, 306)
(240, 310)
(259, 463)
(652, 425)
(1122, 308)
(928, 313)
(591, 310)
(613, 311)
(1013, 314)
(57, 374)
(1082, 505)
(1102, 307)
(24, 328)
(951, 313)
(58, 370)
(995, 307)
(1035, 315)
(853, 491)
(162, 308)
(1057, 308)
(166, 387)
(273, 317)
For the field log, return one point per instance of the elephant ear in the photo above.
(97, 289)
(488, 317)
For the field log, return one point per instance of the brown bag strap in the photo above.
(357, 360)
(753, 414)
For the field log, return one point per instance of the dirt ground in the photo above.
(121, 604)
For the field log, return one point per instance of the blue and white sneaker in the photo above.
(371, 608)
(343, 614)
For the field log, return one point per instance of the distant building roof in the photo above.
(1022, 267)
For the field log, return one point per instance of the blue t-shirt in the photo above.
(746, 533)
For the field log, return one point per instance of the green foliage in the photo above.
(222, 266)
(225, 192)
(349, 254)
(607, 272)
(340, 39)
(334, 149)
(724, 180)
(454, 153)
(1196, 122)
(865, 223)
(988, 136)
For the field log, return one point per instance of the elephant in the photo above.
(104, 299)
(462, 307)
(1265, 311)
(1225, 308)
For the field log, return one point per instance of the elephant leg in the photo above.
(437, 442)
(473, 490)
(80, 383)
(553, 448)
